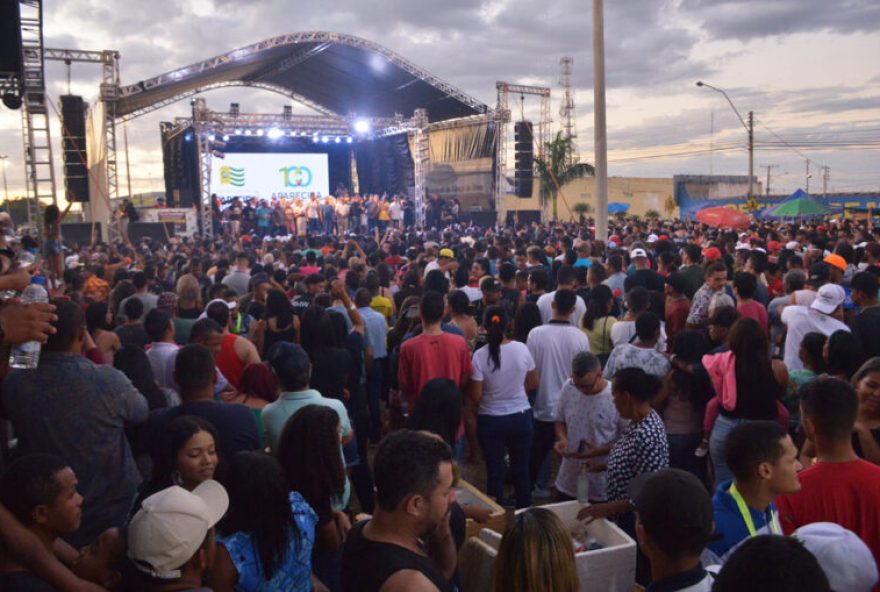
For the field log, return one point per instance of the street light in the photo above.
(4, 158)
(750, 129)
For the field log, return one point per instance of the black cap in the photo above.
(675, 510)
(725, 316)
(819, 274)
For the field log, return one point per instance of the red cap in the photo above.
(774, 246)
(821, 228)
(663, 237)
(711, 253)
(614, 238)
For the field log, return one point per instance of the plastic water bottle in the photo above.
(583, 485)
(26, 356)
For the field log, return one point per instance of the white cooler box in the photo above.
(610, 569)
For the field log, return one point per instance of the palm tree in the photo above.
(559, 166)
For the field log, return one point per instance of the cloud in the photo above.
(731, 19)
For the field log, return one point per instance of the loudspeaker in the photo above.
(523, 155)
(80, 233)
(138, 230)
(179, 157)
(11, 58)
(73, 142)
(524, 216)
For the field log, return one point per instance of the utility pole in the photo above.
(808, 175)
(601, 141)
(711, 140)
(751, 157)
(826, 176)
(767, 186)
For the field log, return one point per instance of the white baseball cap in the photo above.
(653, 238)
(172, 525)
(793, 246)
(229, 305)
(829, 297)
(638, 253)
(845, 558)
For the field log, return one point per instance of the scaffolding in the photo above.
(566, 108)
(502, 114)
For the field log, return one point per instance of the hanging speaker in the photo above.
(73, 143)
(523, 156)
(11, 57)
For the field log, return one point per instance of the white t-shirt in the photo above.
(395, 211)
(545, 305)
(504, 390)
(592, 418)
(473, 294)
(431, 265)
(801, 320)
(553, 346)
(623, 332)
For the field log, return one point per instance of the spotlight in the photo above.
(225, 137)
(338, 139)
(275, 133)
(188, 137)
(292, 134)
(349, 140)
(237, 132)
(325, 139)
(259, 132)
(247, 132)
(211, 137)
(362, 126)
(315, 139)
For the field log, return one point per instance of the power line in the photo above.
(778, 137)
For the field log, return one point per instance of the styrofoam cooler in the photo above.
(610, 569)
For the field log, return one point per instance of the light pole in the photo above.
(750, 129)
(599, 134)
(4, 158)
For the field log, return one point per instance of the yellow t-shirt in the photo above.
(383, 306)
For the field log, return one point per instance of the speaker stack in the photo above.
(523, 155)
(73, 143)
(11, 57)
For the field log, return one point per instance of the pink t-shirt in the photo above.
(754, 310)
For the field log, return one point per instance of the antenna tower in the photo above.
(566, 109)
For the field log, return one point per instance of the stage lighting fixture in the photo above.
(338, 139)
(188, 137)
(362, 126)
(234, 109)
(315, 139)
(325, 139)
(275, 133)
(237, 132)
(247, 132)
(211, 137)
(292, 134)
(225, 137)
(349, 140)
(259, 132)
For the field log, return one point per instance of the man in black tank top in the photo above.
(407, 545)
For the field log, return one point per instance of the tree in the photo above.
(581, 208)
(652, 214)
(559, 166)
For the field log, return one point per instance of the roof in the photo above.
(332, 72)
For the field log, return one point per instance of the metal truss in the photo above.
(226, 84)
(504, 90)
(294, 39)
(36, 138)
(300, 125)
(420, 163)
(202, 125)
(109, 60)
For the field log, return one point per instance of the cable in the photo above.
(778, 137)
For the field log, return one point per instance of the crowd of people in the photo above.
(333, 215)
(286, 408)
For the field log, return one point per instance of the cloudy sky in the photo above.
(809, 69)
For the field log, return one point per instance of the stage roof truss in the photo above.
(342, 73)
(226, 84)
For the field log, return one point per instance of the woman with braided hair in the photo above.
(503, 370)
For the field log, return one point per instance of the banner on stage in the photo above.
(268, 175)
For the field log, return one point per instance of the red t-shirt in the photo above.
(847, 494)
(676, 319)
(432, 356)
(754, 310)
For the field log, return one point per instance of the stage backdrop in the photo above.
(269, 175)
(463, 166)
